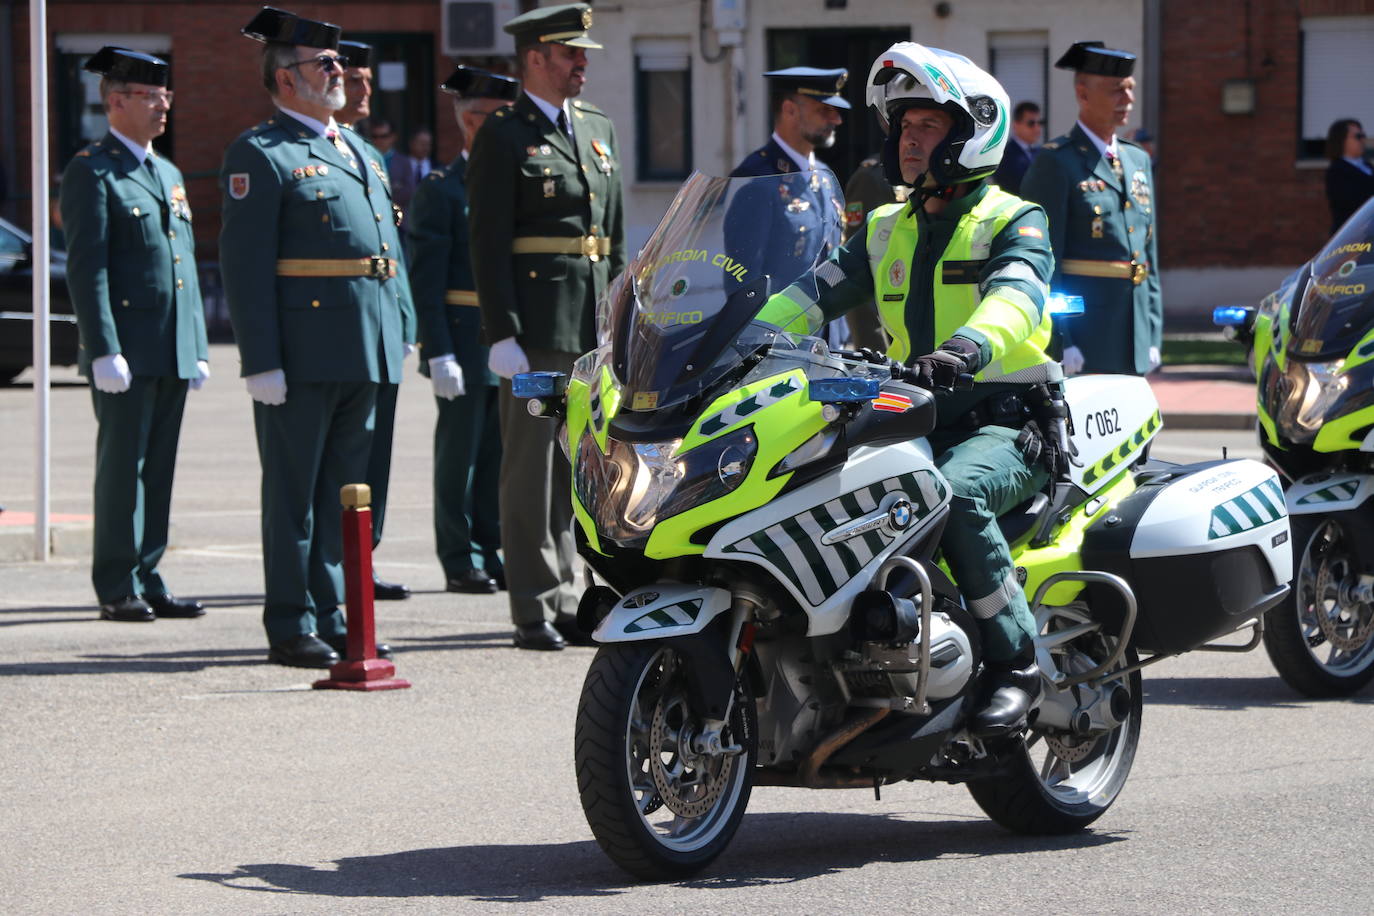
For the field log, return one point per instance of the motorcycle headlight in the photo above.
(1325, 384)
(634, 485)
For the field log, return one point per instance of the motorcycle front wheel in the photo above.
(1320, 638)
(661, 802)
(1056, 781)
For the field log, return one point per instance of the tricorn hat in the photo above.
(128, 66)
(476, 83)
(358, 54)
(1096, 58)
(274, 25)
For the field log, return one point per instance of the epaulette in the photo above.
(500, 112)
(869, 162)
(263, 125)
(1129, 142)
(588, 107)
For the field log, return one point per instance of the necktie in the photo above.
(563, 124)
(342, 147)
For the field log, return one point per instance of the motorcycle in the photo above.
(1311, 343)
(765, 515)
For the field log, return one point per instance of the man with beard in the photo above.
(782, 230)
(357, 106)
(547, 235)
(309, 250)
(131, 270)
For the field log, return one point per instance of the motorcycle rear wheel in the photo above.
(1055, 782)
(658, 808)
(1319, 639)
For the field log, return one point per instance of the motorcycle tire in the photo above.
(665, 812)
(1300, 645)
(1077, 778)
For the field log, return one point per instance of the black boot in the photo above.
(1010, 690)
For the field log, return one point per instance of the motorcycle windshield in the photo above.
(684, 312)
(1337, 307)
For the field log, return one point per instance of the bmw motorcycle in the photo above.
(1311, 347)
(765, 515)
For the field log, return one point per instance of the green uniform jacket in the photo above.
(131, 262)
(288, 193)
(409, 325)
(1076, 186)
(440, 261)
(526, 180)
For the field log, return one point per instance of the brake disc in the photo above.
(1359, 616)
(683, 794)
(1068, 748)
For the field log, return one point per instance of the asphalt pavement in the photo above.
(166, 768)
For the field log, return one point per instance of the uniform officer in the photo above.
(357, 106)
(131, 271)
(866, 190)
(317, 295)
(1097, 190)
(790, 233)
(959, 274)
(547, 236)
(467, 433)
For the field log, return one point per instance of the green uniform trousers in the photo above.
(988, 476)
(379, 459)
(467, 472)
(135, 455)
(310, 447)
(536, 505)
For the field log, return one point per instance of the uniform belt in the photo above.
(1007, 408)
(375, 266)
(1114, 270)
(591, 246)
(460, 297)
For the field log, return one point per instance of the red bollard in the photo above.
(362, 669)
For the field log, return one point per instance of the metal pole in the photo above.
(38, 106)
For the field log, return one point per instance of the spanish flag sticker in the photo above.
(897, 403)
(1031, 232)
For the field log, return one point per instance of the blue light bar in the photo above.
(843, 390)
(1060, 304)
(539, 384)
(1233, 316)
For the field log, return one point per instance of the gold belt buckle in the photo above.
(378, 267)
(589, 248)
(1138, 273)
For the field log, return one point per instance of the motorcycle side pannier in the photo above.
(1206, 546)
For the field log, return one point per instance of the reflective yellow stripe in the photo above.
(542, 244)
(460, 297)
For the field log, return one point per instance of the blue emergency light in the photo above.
(539, 384)
(843, 390)
(1230, 316)
(1059, 305)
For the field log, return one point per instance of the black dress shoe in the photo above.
(1007, 697)
(131, 609)
(340, 645)
(540, 636)
(472, 581)
(572, 635)
(308, 651)
(499, 577)
(388, 591)
(166, 605)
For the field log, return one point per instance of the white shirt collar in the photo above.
(1103, 147)
(319, 127)
(465, 155)
(140, 152)
(550, 110)
(804, 163)
(1357, 163)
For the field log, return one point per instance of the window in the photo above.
(663, 100)
(80, 110)
(1337, 71)
(1020, 61)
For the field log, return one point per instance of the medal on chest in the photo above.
(549, 187)
(603, 156)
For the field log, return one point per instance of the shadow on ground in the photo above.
(814, 845)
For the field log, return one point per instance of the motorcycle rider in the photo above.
(959, 272)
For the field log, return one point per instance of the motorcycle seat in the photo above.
(1021, 520)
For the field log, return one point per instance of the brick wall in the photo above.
(1231, 192)
(216, 75)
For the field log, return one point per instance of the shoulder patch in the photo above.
(1053, 144)
(869, 162)
(434, 175)
(500, 112)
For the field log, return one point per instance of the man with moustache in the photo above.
(467, 433)
(1098, 192)
(131, 270)
(317, 296)
(547, 235)
(358, 106)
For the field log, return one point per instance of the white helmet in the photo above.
(908, 74)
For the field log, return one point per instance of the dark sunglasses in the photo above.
(325, 62)
(1359, 136)
(1035, 122)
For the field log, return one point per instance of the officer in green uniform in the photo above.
(867, 189)
(959, 274)
(547, 236)
(131, 270)
(467, 433)
(357, 106)
(309, 249)
(1098, 192)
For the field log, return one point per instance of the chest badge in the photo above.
(896, 274)
(1140, 189)
(798, 205)
(604, 156)
(549, 187)
(1097, 227)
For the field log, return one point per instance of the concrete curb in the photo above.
(1190, 420)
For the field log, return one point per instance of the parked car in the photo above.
(16, 305)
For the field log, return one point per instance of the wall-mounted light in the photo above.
(1238, 97)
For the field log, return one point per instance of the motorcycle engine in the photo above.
(889, 670)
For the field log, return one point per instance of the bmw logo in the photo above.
(899, 514)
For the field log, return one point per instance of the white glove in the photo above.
(202, 373)
(447, 377)
(1155, 358)
(1072, 361)
(507, 359)
(267, 387)
(409, 349)
(111, 374)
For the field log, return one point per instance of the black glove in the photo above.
(1039, 448)
(941, 369)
